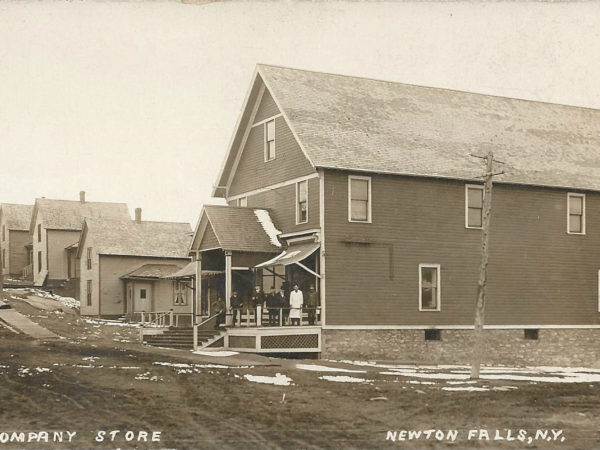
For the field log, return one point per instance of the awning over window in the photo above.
(292, 255)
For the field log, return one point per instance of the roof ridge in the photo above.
(380, 80)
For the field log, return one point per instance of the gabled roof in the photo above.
(238, 228)
(16, 217)
(153, 271)
(69, 215)
(129, 238)
(359, 124)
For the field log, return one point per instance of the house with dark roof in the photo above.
(55, 226)
(124, 266)
(14, 229)
(373, 187)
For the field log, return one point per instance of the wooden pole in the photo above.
(228, 291)
(478, 344)
(196, 306)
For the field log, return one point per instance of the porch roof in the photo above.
(152, 271)
(236, 229)
(189, 271)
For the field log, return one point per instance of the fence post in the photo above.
(280, 317)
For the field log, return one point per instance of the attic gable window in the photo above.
(576, 213)
(359, 199)
(473, 206)
(302, 202)
(270, 140)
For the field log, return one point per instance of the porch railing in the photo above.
(246, 317)
(27, 272)
(162, 318)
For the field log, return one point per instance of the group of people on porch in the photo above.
(282, 308)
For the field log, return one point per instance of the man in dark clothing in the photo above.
(236, 304)
(258, 303)
(311, 302)
(273, 307)
(285, 305)
(218, 307)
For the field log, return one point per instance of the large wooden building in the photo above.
(374, 184)
(123, 265)
(54, 231)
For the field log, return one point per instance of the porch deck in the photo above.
(287, 339)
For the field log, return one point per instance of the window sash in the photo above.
(89, 292)
(474, 206)
(576, 213)
(359, 199)
(270, 140)
(429, 288)
(302, 201)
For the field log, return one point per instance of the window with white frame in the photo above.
(359, 199)
(243, 201)
(576, 213)
(179, 290)
(302, 202)
(270, 140)
(473, 206)
(429, 287)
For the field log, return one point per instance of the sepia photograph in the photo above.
(299, 225)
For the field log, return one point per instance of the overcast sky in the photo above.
(137, 102)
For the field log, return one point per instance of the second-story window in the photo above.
(89, 258)
(359, 199)
(270, 140)
(473, 206)
(39, 232)
(576, 213)
(302, 202)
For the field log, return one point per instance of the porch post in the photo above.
(228, 293)
(196, 307)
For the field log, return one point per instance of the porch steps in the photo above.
(180, 338)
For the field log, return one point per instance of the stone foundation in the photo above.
(554, 347)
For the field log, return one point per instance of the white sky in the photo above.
(137, 102)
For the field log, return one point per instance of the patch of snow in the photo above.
(427, 375)
(42, 369)
(465, 388)
(179, 365)
(420, 382)
(504, 388)
(277, 380)
(215, 353)
(344, 379)
(116, 323)
(318, 368)
(265, 221)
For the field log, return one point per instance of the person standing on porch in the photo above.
(273, 306)
(312, 301)
(284, 304)
(296, 302)
(218, 308)
(258, 302)
(236, 305)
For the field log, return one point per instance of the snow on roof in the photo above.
(265, 221)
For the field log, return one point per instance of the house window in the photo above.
(88, 292)
(39, 262)
(576, 213)
(243, 201)
(429, 287)
(143, 294)
(3, 233)
(302, 202)
(179, 289)
(89, 258)
(270, 140)
(359, 199)
(39, 232)
(473, 206)
(4, 258)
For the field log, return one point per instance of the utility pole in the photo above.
(478, 344)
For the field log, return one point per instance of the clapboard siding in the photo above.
(17, 253)
(282, 205)
(267, 108)
(254, 173)
(538, 274)
(58, 241)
